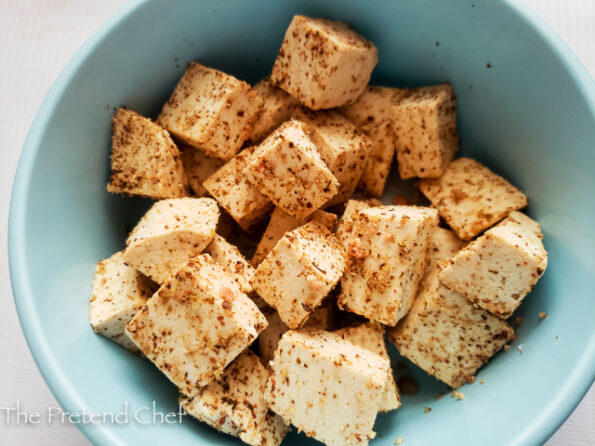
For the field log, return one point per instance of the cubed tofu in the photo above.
(322, 63)
(287, 168)
(234, 404)
(280, 223)
(211, 111)
(232, 261)
(199, 167)
(241, 199)
(498, 269)
(278, 107)
(352, 210)
(471, 198)
(169, 234)
(196, 324)
(119, 292)
(386, 260)
(327, 387)
(145, 160)
(443, 245)
(425, 126)
(371, 337)
(446, 335)
(300, 272)
(372, 114)
(342, 147)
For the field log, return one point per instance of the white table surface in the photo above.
(37, 38)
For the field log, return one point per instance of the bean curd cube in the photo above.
(386, 261)
(352, 210)
(327, 387)
(471, 198)
(497, 270)
(199, 167)
(370, 336)
(240, 198)
(232, 261)
(287, 169)
(145, 161)
(234, 404)
(169, 234)
(196, 324)
(425, 126)
(446, 335)
(300, 272)
(372, 114)
(211, 111)
(119, 292)
(443, 245)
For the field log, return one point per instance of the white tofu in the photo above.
(443, 245)
(327, 387)
(471, 198)
(497, 270)
(322, 63)
(199, 167)
(119, 292)
(169, 234)
(386, 261)
(234, 404)
(232, 261)
(352, 210)
(196, 324)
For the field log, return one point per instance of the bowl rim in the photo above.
(545, 424)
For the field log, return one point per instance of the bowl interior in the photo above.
(525, 109)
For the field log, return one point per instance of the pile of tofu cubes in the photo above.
(439, 280)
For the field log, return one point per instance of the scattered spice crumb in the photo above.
(488, 65)
(399, 440)
(427, 409)
(519, 321)
(506, 347)
(437, 43)
(482, 381)
(407, 386)
(542, 315)
(556, 337)
(439, 396)
(457, 395)
(520, 347)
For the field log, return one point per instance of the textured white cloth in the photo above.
(37, 38)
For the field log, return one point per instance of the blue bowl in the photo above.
(526, 109)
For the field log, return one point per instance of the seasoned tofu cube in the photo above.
(497, 270)
(235, 194)
(145, 160)
(443, 245)
(232, 261)
(119, 292)
(211, 111)
(446, 335)
(471, 198)
(278, 107)
(342, 147)
(234, 404)
(372, 114)
(169, 234)
(287, 168)
(280, 223)
(352, 210)
(386, 260)
(370, 336)
(199, 167)
(327, 387)
(196, 324)
(425, 126)
(300, 272)
(322, 63)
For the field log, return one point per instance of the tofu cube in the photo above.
(280, 223)
(446, 335)
(497, 270)
(240, 198)
(278, 107)
(287, 168)
(211, 111)
(199, 167)
(341, 146)
(425, 126)
(234, 404)
(196, 324)
(169, 234)
(352, 210)
(300, 272)
(232, 261)
(386, 260)
(145, 160)
(119, 292)
(443, 245)
(370, 336)
(471, 198)
(327, 387)
(372, 114)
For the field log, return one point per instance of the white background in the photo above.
(37, 38)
